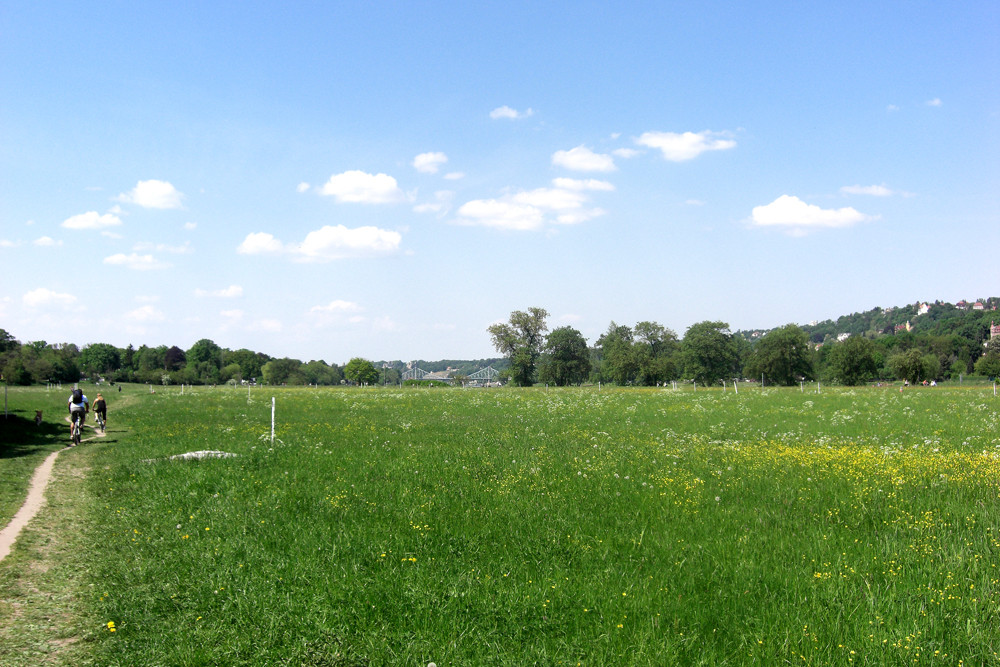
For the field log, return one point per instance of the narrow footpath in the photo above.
(36, 497)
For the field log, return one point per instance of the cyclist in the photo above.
(100, 407)
(79, 406)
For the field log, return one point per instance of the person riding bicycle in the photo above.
(79, 406)
(100, 406)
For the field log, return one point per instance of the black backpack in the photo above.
(77, 396)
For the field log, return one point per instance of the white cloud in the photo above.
(936, 102)
(582, 158)
(190, 225)
(577, 216)
(153, 194)
(4, 243)
(891, 108)
(143, 246)
(41, 297)
(267, 325)
(625, 152)
(577, 184)
(358, 187)
(260, 243)
(46, 241)
(111, 235)
(790, 212)
(441, 203)
(234, 314)
(136, 262)
(302, 187)
(454, 176)
(429, 163)
(500, 214)
(685, 146)
(91, 220)
(555, 199)
(230, 292)
(339, 242)
(510, 114)
(874, 190)
(337, 306)
(146, 314)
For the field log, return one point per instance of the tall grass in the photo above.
(510, 527)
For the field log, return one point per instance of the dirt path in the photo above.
(36, 498)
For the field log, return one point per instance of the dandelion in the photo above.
(111, 626)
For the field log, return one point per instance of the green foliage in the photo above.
(361, 371)
(989, 365)
(709, 353)
(782, 356)
(854, 361)
(521, 340)
(913, 366)
(566, 359)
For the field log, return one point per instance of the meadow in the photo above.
(551, 527)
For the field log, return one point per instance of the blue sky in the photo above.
(329, 180)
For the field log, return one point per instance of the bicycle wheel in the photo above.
(76, 433)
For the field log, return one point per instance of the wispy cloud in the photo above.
(42, 297)
(184, 249)
(153, 194)
(680, 147)
(230, 292)
(429, 163)
(508, 113)
(873, 190)
(360, 187)
(936, 102)
(46, 241)
(147, 313)
(91, 220)
(565, 204)
(136, 262)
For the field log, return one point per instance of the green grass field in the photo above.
(519, 527)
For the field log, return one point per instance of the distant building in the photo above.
(994, 330)
(842, 337)
(923, 309)
(979, 306)
(904, 327)
(962, 305)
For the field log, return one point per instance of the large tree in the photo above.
(854, 361)
(619, 363)
(657, 353)
(361, 371)
(782, 356)
(566, 359)
(708, 352)
(520, 340)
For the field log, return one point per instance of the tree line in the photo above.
(650, 354)
(943, 343)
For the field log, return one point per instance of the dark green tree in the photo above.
(619, 363)
(656, 351)
(709, 353)
(565, 359)
(283, 371)
(909, 366)
(521, 340)
(100, 359)
(854, 361)
(782, 356)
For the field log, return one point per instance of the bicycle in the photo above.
(75, 431)
(100, 422)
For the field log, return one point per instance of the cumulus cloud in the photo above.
(136, 262)
(6, 243)
(429, 163)
(91, 220)
(529, 210)
(790, 212)
(582, 158)
(230, 292)
(359, 187)
(184, 249)
(267, 325)
(687, 145)
(46, 241)
(454, 175)
(302, 187)
(260, 243)
(153, 194)
(339, 242)
(441, 203)
(874, 190)
(936, 102)
(625, 152)
(190, 225)
(42, 297)
(326, 244)
(505, 112)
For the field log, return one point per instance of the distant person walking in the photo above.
(79, 406)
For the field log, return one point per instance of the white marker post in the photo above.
(272, 420)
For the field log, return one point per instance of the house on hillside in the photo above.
(962, 305)
(904, 327)
(842, 337)
(922, 309)
(979, 306)
(994, 330)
